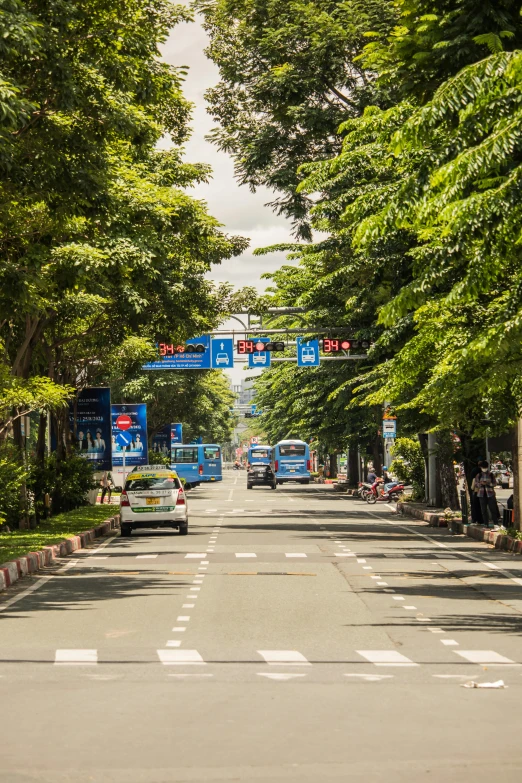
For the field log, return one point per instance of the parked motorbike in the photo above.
(363, 488)
(391, 492)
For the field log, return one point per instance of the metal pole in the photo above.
(124, 450)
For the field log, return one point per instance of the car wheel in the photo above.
(183, 529)
(126, 530)
(274, 486)
(279, 482)
(249, 486)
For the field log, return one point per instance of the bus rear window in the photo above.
(260, 453)
(292, 451)
(184, 455)
(211, 452)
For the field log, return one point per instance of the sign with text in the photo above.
(137, 450)
(90, 418)
(389, 428)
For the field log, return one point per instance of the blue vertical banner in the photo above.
(176, 433)
(161, 442)
(137, 451)
(90, 418)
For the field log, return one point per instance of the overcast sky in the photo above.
(239, 210)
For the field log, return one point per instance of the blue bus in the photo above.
(291, 461)
(197, 462)
(259, 455)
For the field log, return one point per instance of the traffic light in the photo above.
(339, 345)
(169, 349)
(253, 346)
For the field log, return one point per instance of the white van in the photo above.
(153, 497)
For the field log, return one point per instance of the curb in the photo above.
(477, 532)
(14, 570)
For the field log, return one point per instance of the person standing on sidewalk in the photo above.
(106, 485)
(476, 512)
(485, 489)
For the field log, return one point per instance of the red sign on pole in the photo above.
(123, 422)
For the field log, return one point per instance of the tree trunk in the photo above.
(376, 455)
(333, 465)
(353, 467)
(41, 440)
(446, 469)
(516, 450)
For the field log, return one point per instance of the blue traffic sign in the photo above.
(260, 358)
(253, 409)
(222, 353)
(123, 439)
(185, 361)
(307, 353)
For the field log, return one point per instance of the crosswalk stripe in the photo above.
(386, 658)
(295, 554)
(284, 657)
(143, 557)
(245, 554)
(200, 556)
(180, 658)
(482, 656)
(76, 657)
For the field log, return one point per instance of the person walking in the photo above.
(485, 489)
(106, 485)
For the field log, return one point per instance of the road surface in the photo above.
(293, 635)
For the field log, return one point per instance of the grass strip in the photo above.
(53, 530)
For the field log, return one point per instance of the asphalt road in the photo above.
(294, 635)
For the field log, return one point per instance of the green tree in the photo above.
(290, 74)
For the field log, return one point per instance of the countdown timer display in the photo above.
(169, 349)
(250, 346)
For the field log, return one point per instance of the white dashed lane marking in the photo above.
(295, 554)
(196, 555)
(144, 557)
(245, 554)
(76, 657)
(180, 658)
(284, 657)
(483, 656)
(386, 658)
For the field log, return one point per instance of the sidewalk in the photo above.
(435, 518)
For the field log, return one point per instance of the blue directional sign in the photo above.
(123, 439)
(184, 361)
(307, 353)
(222, 353)
(253, 409)
(260, 358)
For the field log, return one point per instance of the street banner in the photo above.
(161, 442)
(90, 418)
(176, 433)
(137, 452)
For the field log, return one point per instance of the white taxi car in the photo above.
(153, 497)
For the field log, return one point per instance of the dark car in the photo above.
(262, 475)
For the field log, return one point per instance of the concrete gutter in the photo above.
(477, 532)
(14, 570)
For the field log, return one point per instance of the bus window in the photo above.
(292, 450)
(184, 455)
(211, 452)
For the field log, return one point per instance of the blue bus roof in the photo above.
(258, 446)
(291, 441)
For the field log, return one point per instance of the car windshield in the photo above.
(292, 451)
(152, 482)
